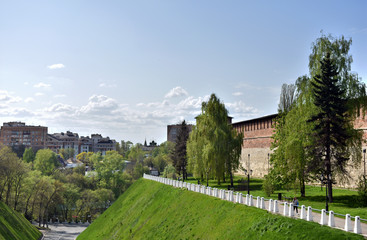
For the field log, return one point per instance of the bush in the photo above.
(169, 172)
(362, 190)
(268, 186)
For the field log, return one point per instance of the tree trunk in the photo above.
(231, 176)
(330, 189)
(303, 187)
(8, 190)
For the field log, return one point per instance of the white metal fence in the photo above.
(273, 205)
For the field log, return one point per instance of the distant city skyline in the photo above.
(127, 69)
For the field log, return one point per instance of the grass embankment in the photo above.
(345, 201)
(14, 226)
(151, 210)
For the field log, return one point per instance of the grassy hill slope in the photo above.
(151, 210)
(14, 226)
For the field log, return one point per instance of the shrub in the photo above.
(268, 186)
(169, 172)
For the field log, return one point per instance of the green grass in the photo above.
(14, 226)
(151, 210)
(345, 201)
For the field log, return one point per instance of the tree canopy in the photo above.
(295, 138)
(179, 155)
(213, 148)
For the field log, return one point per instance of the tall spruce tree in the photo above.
(179, 154)
(294, 139)
(332, 128)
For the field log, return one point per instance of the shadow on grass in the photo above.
(350, 201)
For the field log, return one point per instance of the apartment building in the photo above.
(15, 134)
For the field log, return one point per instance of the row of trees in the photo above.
(314, 134)
(38, 185)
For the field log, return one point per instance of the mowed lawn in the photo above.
(345, 201)
(151, 210)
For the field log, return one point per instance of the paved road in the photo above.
(63, 231)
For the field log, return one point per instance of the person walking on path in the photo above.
(295, 204)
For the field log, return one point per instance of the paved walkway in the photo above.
(63, 231)
(339, 222)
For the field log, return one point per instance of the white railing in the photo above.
(273, 206)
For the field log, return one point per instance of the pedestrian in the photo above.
(295, 204)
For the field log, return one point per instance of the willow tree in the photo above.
(213, 147)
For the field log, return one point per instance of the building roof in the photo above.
(256, 119)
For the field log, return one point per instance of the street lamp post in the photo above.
(248, 175)
(364, 162)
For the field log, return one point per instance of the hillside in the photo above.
(151, 210)
(14, 226)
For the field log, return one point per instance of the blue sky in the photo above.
(127, 69)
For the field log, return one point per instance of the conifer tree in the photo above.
(332, 128)
(179, 153)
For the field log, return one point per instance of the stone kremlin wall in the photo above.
(257, 141)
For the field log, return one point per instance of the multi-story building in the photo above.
(172, 131)
(64, 140)
(85, 144)
(53, 143)
(15, 134)
(104, 144)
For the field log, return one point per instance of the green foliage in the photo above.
(124, 148)
(213, 148)
(67, 153)
(294, 142)
(179, 154)
(46, 161)
(362, 190)
(28, 155)
(136, 154)
(268, 186)
(169, 172)
(332, 126)
(84, 157)
(109, 170)
(151, 210)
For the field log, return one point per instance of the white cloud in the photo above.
(105, 85)
(60, 107)
(237, 94)
(38, 94)
(15, 112)
(99, 103)
(105, 115)
(240, 110)
(60, 96)
(42, 85)
(6, 97)
(176, 92)
(56, 66)
(29, 100)
(192, 103)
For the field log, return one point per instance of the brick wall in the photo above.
(257, 142)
